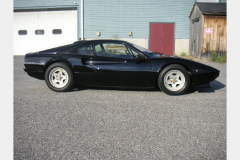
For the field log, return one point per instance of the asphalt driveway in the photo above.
(98, 123)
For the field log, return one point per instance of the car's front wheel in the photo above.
(59, 77)
(174, 80)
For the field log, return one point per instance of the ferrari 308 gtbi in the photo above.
(115, 63)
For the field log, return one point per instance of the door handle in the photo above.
(89, 62)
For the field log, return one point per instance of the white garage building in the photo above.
(39, 30)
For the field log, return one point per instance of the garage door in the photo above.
(40, 30)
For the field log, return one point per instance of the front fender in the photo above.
(160, 63)
(199, 73)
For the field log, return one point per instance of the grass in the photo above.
(221, 59)
(218, 59)
(213, 58)
(183, 54)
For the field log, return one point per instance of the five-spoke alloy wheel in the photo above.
(59, 77)
(174, 80)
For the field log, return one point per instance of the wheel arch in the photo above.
(57, 61)
(179, 63)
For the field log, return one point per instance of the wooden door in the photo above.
(162, 38)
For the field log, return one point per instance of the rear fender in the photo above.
(56, 60)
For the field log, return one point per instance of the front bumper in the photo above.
(203, 78)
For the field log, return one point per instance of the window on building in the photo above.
(39, 32)
(22, 32)
(57, 31)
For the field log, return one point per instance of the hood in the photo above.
(158, 55)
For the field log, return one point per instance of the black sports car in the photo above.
(115, 63)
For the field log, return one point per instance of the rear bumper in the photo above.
(34, 73)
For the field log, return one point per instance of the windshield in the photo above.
(140, 48)
(146, 51)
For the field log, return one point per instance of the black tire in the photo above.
(59, 77)
(174, 80)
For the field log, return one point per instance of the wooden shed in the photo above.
(208, 30)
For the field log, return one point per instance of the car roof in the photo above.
(100, 40)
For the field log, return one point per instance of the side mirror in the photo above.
(140, 58)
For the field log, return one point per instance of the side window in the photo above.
(116, 50)
(99, 49)
(133, 52)
(83, 50)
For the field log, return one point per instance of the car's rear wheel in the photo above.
(59, 77)
(174, 80)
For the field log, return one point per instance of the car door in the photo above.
(117, 66)
(81, 59)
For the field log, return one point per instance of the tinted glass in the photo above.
(116, 50)
(133, 51)
(22, 32)
(57, 31)
(98, 49)
(85, 50)
(39, 32)
(140, 48)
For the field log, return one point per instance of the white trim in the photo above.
(82, 29)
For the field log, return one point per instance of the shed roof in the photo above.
(211, 8)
